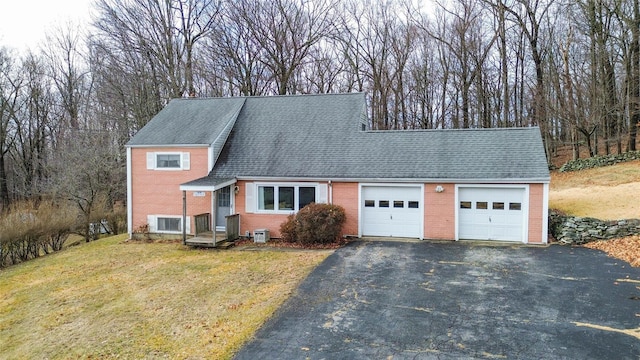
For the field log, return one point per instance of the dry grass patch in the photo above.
(110, 299)
(607, 193)
(622, 173)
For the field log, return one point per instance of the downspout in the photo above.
(184, 217)
(214, 214)
(330, 192)
(129, 195)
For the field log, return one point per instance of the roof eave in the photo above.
(397, 180)
(211, 187)
(147, 146)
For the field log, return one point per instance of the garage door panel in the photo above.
(391, 211)
(490, 213)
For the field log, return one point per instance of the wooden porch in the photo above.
(205, 237)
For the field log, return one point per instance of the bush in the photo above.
(314, 224)
(117, 219)
(288, 229)
(56, 222)
(29, 229)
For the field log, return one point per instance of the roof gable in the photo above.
(192, 121)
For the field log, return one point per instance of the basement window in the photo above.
(169, 224)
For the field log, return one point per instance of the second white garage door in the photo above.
(392, 211)
(491, 213)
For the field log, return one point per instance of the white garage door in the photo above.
(392, 211)
(491, 213)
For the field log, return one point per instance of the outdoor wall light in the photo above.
(439, 189)
(236, 190)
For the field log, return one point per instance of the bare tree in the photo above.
(147, 30)
(634, 74)
(234, 57)
(368, 31)
(529, 16)
(287, 30)
(70, 76)
(10, 86)
(32, 128)
(325, 71)
(197, 18)
(95, 180)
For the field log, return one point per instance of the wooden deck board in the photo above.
(206, 240)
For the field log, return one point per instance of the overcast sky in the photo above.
(23, 23)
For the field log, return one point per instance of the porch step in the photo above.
(208, 243)
(225, 244)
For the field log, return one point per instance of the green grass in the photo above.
(117, 299)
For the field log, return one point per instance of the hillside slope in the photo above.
(607, 193)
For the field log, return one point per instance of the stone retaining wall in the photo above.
(572, 230)
(598, 161)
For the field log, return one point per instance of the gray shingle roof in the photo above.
(320, 137)
(470, 154)
(491, 154)
(196, 121)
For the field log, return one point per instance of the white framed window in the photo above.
(168, 161)
(283, 198)
(169, 224)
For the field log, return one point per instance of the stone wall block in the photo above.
(573, 230)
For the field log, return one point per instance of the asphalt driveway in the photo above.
(409, 300)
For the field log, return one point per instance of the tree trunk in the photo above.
(4, 188)
(634, 91)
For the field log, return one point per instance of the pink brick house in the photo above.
(267, 157)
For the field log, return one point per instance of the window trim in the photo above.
(185, 160)
(179, 218)
(152, 221)
(158, 167)
(276, 186)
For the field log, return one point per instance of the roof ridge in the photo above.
(449, 130)
(267, 96)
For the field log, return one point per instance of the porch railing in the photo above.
(203, 222)
(233, 226)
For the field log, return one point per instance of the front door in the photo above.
(223, 207)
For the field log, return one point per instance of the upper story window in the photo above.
(168, 161)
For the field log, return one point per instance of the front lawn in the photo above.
(117, 299)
